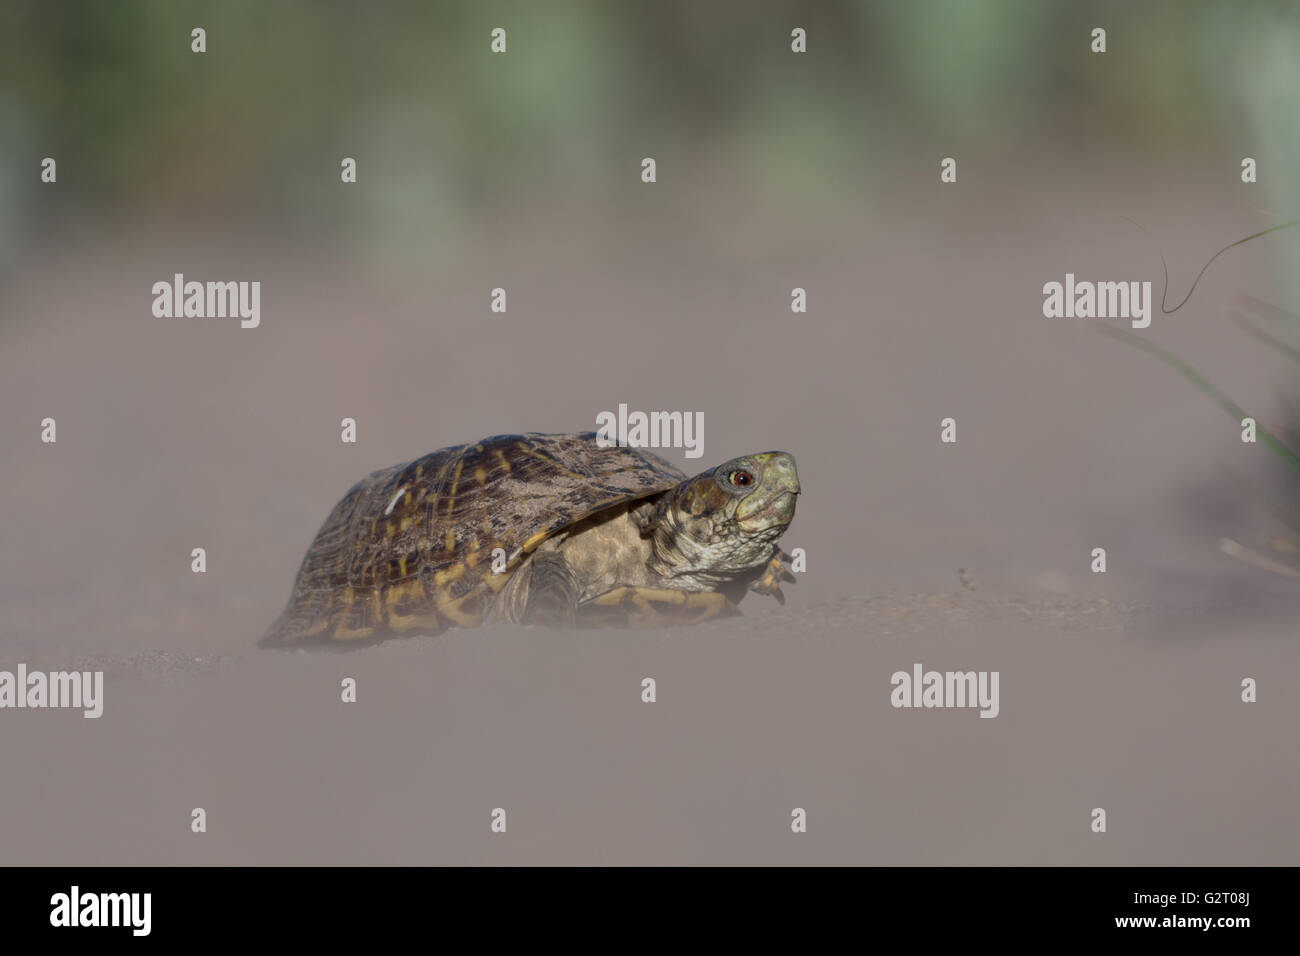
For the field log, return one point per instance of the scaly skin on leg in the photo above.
(553, 591)
(777, 570)
(625, 605)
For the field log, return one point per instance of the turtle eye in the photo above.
(741, 478)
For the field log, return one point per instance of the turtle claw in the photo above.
(777, 570)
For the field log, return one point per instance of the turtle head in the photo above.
(728, 519)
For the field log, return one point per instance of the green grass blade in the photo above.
(1271, 441)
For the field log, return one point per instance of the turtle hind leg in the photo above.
(642, 606)
(553, 592)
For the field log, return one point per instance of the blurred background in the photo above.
(146, 126)
(775, 170)
(457, 143)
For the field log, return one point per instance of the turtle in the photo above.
(559, 530)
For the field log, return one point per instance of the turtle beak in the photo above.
(779, 471)
(772, 503)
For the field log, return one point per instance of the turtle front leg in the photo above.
(776, 571)
(645, 606)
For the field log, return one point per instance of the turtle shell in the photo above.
(410, 547)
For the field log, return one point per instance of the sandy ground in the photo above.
(753, 718)
(1118, 690)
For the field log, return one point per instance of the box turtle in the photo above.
(555, 530)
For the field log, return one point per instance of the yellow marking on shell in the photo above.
(405, 523)
(419, 471)
(471, 556)
(455, 483)
(404, 623)
(480, 476)
(436, 485)
(401, 565)
(390, 529)
(369, 600)
(450, 607)
(501, 457)
(372, 601)
(453, 573)
(409, 592)
(402, 592)
(449, 540)
(535, 540)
